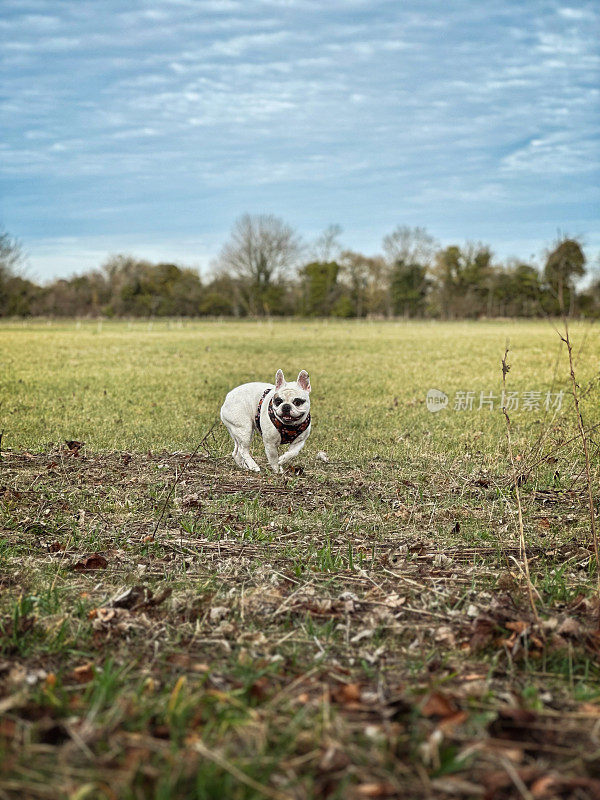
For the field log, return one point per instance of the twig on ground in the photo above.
(178, 477)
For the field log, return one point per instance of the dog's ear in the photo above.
(279, 379)
(304, 380)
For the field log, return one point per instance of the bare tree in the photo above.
(260, 252)
(11, 262)
(327, 246)
(11, 255)
(410, 245)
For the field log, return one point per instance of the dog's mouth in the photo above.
(287, 418)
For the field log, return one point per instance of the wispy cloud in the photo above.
(174, 116)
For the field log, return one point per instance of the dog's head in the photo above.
(291, 401)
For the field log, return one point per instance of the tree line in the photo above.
(265, 269)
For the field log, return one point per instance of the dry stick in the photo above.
(505, 369)
(177, 478)
(574, 386)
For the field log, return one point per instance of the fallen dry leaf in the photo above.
(382, 789)
(437, 704)
(95, 561)
(84, 673)
(593, 709)
(191, 501)
(347, 693)
(448, 724)
(129, 598)
(102, 614)
(519, 626)
(72, 447)
(483, 631)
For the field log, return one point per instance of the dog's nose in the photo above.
(286, 408)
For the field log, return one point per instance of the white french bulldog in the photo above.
(280, 413)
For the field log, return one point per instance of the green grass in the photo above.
(361, 627)
(141, 386)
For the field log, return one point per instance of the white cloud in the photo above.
(577, 14)
(461, 106)
(554, 154)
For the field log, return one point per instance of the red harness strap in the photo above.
(287, 432)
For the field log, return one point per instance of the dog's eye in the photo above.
(278, 401)
(299, 402)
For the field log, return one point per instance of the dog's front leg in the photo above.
(292, 451)
(272, 456)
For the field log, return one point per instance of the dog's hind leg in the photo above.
(248, 461)
(236, 454)
(242, 436)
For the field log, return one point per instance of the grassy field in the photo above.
(175, 628)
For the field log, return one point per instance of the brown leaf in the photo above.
(448, 724)
(259, 690)
(74, 445)
(102, 614)
(8, 729)
(180, 660)
(543, 787)
(129, 598)
(437, 704)
(512, 723)
(95, 561)
(152, 602)
(84, 673)
(547, 787)
(483, 632)
(347, 693)
(518, 625)
(382, 789)
(593, 709)
(191, 501)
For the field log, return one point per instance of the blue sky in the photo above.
(149, 127)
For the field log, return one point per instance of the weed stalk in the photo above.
(584, 441)
(522, 544)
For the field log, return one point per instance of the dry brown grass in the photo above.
(341, 632)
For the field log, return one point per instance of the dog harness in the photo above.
(287, 432)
